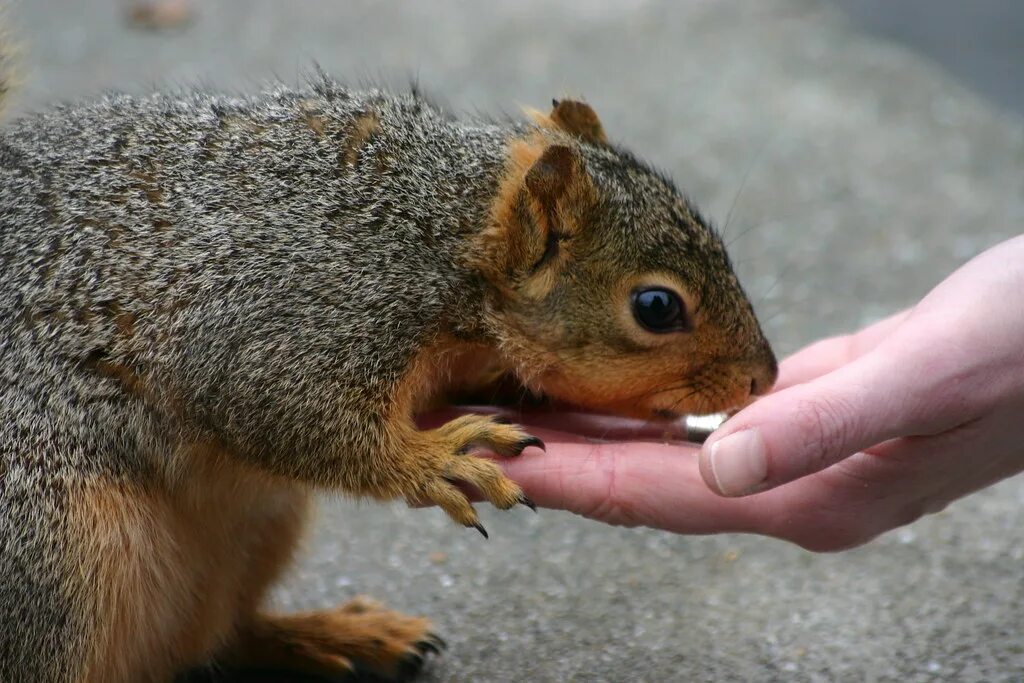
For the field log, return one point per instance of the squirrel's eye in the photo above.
(659, 310)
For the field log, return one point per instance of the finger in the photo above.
(808, 427)
(885, 487)
(556, 447)
(630, 484)
(592, 426)
(830, 354)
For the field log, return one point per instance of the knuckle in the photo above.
(824, 426)
(610, 506)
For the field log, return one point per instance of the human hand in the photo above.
(863, 434)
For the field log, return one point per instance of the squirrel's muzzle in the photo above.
(763, 375)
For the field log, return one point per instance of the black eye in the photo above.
(659, 310)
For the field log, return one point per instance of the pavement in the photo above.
(852, 175)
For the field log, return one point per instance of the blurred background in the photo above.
(978, 42)
(853, 152)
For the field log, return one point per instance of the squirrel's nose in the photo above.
(763, 376)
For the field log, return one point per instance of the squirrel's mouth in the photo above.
(667, 406)
(596, 426)
(657, 419)
(665, 415)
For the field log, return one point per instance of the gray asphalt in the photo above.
(853, 176)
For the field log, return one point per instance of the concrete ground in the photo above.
(853, 175)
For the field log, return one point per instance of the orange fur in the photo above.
(498, 248)
(170, 569)
(506, 246)
(362, 130)
(424, 463)
(174, 575)
(312, 117)
(545, 189)
(328, 642)
(447, 366)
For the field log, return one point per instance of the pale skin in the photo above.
(863, 433)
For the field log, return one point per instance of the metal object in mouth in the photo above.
(700, 427)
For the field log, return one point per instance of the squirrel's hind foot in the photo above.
(345, 643)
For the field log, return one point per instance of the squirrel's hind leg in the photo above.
(134, 586)
(358, 636)
(333, 643)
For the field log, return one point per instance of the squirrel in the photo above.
(213, 306)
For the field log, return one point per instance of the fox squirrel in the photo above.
(211, 306)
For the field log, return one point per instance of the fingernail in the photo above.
(739, 464)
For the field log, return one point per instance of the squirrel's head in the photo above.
(607, 288)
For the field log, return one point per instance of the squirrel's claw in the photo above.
(358, 641)
(437, 644)
(531, 440)
(433, 644)
(495, 433)
(525, 500)
(447, 469)
(411, 664)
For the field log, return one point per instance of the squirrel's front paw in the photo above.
(449, 462)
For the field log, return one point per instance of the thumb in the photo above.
(808, 427)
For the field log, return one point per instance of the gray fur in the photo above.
(257, 282)
(261, 271)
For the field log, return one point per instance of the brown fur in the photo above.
(185, 566)
(147, 184)
(276, 336)
(497, 249)
(312, 117)
(130, 381)
(579, 119)
(178, 566)
(327, 643)
(362, 130)
(558, 186)
(426, 462)
(541, 218)
(573, 117)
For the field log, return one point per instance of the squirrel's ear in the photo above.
(554, 173)
(576, 118)
(561, 187)
(543, 201)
